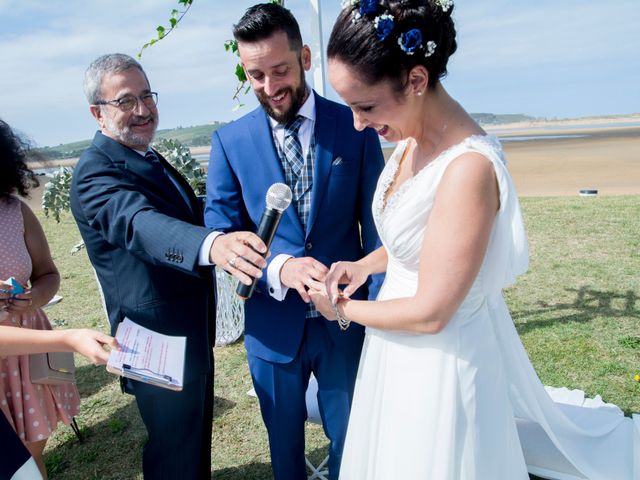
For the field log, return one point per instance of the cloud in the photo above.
(48, 47)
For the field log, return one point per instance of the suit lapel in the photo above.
(265, 152)
(325, 137)
(151, 176)
(186, 188)
(142, 167)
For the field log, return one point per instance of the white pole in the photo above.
(317, 48)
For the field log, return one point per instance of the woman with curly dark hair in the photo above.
(32, 410)
(16, 176)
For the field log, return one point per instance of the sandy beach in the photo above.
(605, 159)
(561, 158)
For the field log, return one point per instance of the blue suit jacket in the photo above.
(143, 240)
(244, 164)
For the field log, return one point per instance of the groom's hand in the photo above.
(303, 274)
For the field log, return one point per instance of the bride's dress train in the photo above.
(444, 406)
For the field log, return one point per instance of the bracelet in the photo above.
(342, 321)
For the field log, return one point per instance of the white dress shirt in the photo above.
(308, 111)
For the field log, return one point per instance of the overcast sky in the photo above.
(544, 58)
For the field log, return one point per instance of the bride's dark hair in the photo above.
(355, 40)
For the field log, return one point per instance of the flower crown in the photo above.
(384, 24)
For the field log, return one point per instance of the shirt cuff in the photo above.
(276, 289)
(204, 258)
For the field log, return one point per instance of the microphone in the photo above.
(278, 199)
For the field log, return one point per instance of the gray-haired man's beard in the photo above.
(124, 135)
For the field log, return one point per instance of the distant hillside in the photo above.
(66, 150)
(196, 136)
(200, 135)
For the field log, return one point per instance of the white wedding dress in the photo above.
(443, 407)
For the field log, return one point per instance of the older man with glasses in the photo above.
(143, 229)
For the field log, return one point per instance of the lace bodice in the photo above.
(403, 219)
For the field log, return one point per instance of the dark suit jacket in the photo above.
(143, 240)
(244, 163)
(14, 453)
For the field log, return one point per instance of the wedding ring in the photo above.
(232, 262)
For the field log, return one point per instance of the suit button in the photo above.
(309, 246)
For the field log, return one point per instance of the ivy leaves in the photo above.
(229, 46)
(174, 19)
(232, 46)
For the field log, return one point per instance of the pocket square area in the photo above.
(337, 161)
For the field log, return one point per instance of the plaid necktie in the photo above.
(298, 170)
(292, 147)
(299, 176)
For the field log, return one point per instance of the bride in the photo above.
(442, 372)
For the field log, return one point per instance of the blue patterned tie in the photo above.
(292, 147)
(153, 158)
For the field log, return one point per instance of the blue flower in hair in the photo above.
(410, 41)
(368, 7)
(384, 26)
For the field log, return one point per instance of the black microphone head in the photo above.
(278, 197)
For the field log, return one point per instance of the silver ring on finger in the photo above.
(232, 262)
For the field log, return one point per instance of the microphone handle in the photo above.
(266, 231)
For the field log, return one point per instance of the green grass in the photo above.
(577, 311)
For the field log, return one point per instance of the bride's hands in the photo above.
(322, 303)
(352, 274)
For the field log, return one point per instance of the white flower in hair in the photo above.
(348, 3)
(431, 47)
(445, 5)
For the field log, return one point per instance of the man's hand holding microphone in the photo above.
(242, 254)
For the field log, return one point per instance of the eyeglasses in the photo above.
(130, 102)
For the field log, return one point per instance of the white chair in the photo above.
(313, 415)
(229, 310)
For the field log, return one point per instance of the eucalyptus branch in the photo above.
(174, 20)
